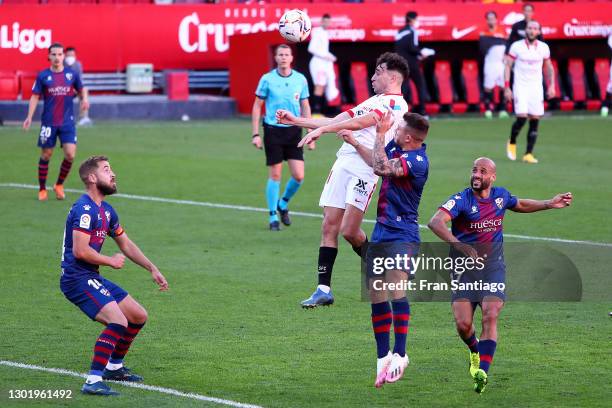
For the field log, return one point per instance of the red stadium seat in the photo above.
(9, 87)
(602, 75)
(26, 81)
(469, 72)
(20, 1)
(359, 75)
(177, 85)
(575, 71)
(58, 1)
(443, 76)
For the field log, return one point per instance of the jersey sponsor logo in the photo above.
(419, 158)
(449, 205)
(59, 90)
(85, 221)
(499, 202)
(486, 225)
(26, 40)
(457, 34)
(361, 188)
(296, 96)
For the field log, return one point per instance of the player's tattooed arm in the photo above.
(528, 206)
(382, 165)
(550, 76)
(507, 72)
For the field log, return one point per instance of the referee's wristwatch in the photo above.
(255, 135)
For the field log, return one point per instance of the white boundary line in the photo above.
(162, 390)
(299, 213)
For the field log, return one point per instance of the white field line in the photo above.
(162, 390)
(298, 213)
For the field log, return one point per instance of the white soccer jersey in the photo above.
(367, 136)
(319, 44)
(528, 61)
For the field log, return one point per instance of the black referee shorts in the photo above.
(280, 143)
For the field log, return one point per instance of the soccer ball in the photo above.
(294, 26)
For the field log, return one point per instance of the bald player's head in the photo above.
(483, 174)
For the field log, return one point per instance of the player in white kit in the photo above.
(528, 56)
(322, 65)
(492, 46)
(351, 182)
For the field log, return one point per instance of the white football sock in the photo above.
(326, 289)
(113, 367)
(93, 379)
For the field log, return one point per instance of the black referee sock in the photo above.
(516, 129)
(532, 134)
(317, 103)
(488, 100)
(327, 258)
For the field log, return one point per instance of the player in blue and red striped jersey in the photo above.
(56, 85)
(404, 167)
(477, 215)
(89, 222)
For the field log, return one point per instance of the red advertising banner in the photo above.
(108, 37)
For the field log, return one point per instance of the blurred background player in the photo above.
(72, 62)
(528, 56)
(89, 222)
(281, 88)
(351, 181)
(605, 107)
(470, 209)
(407, 45)
(493, 48)
(404, 167)
(321, 66)
(56, 85)
(519, 29)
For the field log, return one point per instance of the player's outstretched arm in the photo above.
(437, 225)
(528, 206)
(287, 118)
(82, 251)
(31, 109)
(131, 250)
(382, 165)
(550, 75)
(356, 123)
(364, 152)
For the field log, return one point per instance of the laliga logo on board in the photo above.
(24, 40)
(218, 33)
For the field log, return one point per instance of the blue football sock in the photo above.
(272, 192)
(382, 317)
(290, 189)
(401, 321)
(486, 348)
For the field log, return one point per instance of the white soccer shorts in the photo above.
(323, 74)
(529, 99)
(347, 187)
(493, 75)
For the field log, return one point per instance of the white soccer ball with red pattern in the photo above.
(295, 26)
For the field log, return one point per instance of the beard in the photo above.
(107, 189)
(483, 184)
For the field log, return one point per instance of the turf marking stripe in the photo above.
(298, 213)
(162, 390)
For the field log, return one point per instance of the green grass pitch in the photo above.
(231, 327)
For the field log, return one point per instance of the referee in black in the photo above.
(281, 88)
(407, 45)
(519, 28)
